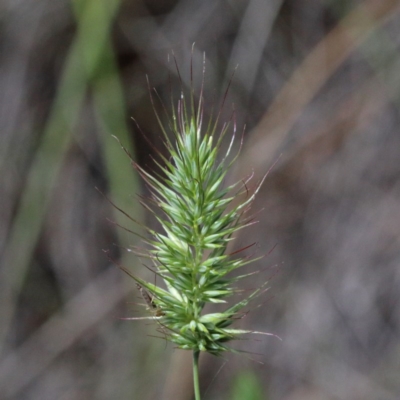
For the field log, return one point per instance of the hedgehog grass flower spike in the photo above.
(198, 219)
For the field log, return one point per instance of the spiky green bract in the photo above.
(198, 218)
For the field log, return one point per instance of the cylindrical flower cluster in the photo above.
(198, 217)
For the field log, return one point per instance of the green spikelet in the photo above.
(198, 218)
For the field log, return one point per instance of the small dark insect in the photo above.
(149, 301)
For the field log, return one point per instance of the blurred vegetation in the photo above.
(317, 81)
(247, 387)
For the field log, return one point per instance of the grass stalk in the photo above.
(196, 384)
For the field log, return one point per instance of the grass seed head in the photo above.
(198, 217)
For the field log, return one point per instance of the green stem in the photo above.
(196, 385)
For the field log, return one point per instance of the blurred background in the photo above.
(318, 81)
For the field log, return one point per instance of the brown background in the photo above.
(317, 81)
